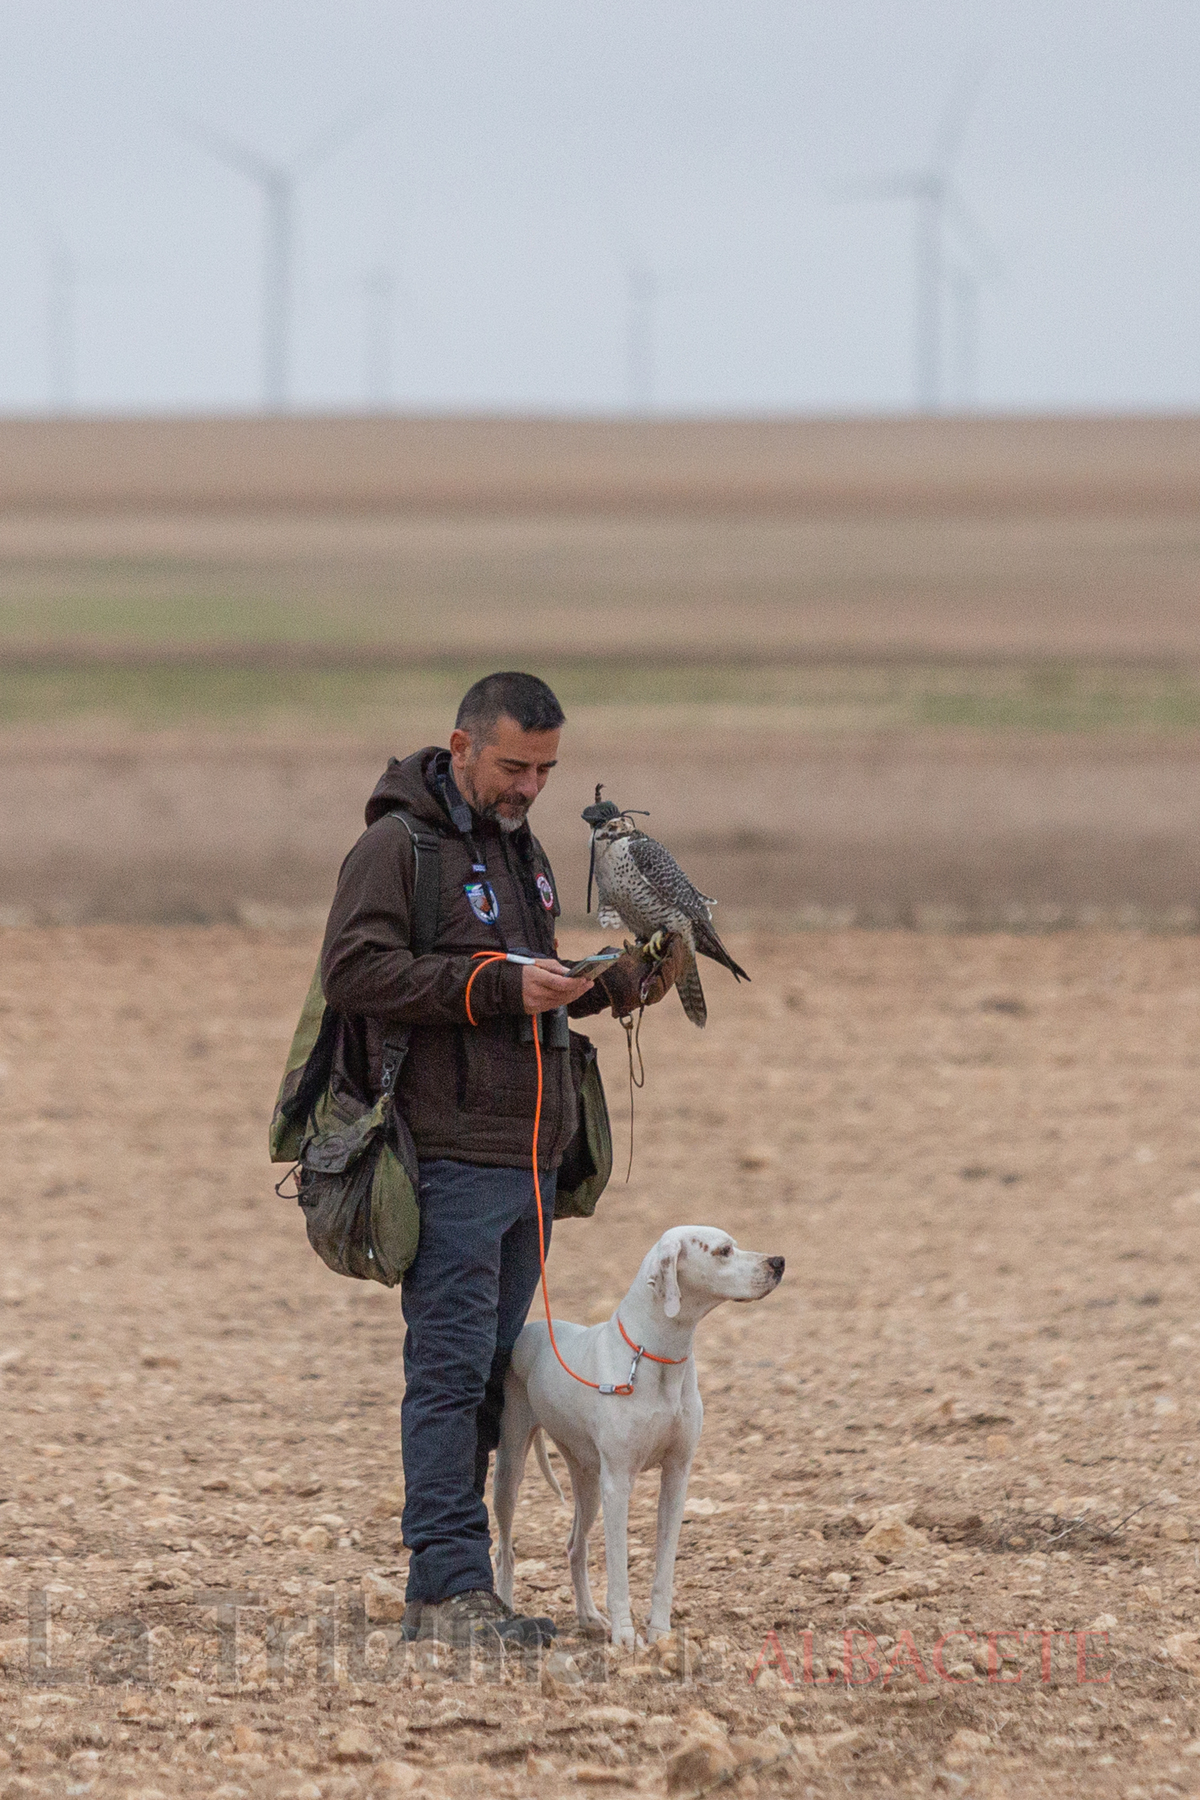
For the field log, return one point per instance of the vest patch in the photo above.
(545, 889)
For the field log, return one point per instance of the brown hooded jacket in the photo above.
(467, 1091)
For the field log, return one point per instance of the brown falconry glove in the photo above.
(644, 974)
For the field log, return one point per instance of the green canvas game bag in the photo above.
(355, 1168)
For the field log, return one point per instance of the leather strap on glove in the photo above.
(640, 977)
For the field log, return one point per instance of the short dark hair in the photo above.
(524, 698)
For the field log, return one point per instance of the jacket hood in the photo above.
(404, 784)
(409, 784)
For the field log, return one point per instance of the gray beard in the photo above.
(507, 826)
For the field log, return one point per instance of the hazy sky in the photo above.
(535, 154)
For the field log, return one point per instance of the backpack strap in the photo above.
(427, 891)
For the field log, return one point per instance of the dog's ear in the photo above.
(664, 1277)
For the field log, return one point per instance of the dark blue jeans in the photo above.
(465, 1298)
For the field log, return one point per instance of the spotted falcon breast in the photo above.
(641, 886)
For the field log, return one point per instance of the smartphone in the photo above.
(596, 964)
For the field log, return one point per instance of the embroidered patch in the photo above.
(546, 891)
(481, 897)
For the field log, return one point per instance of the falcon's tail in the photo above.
(692, 994)
(709, 944)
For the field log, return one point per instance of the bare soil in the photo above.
(783, 823)
(980, 1158)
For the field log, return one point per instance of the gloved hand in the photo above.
(641, 977)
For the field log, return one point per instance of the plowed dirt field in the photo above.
(962, 1429)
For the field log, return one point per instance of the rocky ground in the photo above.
(944, 1519)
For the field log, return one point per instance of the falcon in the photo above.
(641, 886)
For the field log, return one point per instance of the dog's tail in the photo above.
(539, 1450)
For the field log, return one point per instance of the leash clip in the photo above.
(624, 1387)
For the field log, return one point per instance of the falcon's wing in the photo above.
(667, 878)
(672, 887)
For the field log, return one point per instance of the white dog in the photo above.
(638, 1418)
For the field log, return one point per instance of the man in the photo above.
(468, 1091)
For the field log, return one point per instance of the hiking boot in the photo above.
(480, 1618)
(411, 1622)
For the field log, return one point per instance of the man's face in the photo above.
(502, 779)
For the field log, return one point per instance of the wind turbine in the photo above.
(62, 294)
(937, 203)
(278, 182)
(964, 297)
(645, 286)
(379, 307)
(68, 278)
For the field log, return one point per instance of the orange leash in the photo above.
(481, 959)
(623, 1388)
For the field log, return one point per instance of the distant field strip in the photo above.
(1036, 624)
(515, 466)
(936, 673)
(259, 687)
(1124, 587)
